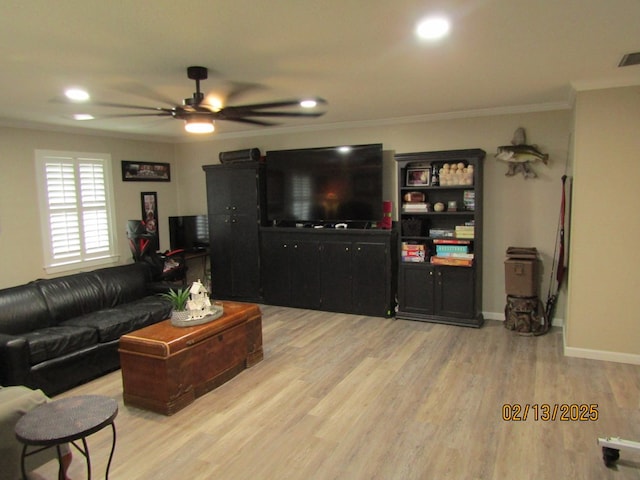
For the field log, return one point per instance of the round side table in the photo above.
(67, 420)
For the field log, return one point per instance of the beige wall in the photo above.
(21, 256)
(601, 317)
(604, 307)
(517, 211)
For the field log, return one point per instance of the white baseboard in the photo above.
(604, 355)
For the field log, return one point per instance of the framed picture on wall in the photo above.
(145, 171)
(149, 205)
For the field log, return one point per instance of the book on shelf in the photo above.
(455, 255)
(451, 241)
(415, 207)
(441, 232)
(451, 261)
(413, 246)
(413, 259)
(440, 249)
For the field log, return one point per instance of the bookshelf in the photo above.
(440, 245)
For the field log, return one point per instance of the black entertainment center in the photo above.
(301, 229)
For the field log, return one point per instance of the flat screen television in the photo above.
(327, 185)
(189, 233)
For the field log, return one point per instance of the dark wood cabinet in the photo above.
(336, 281)
(339, 271)
(234, 199)
(290, 271)
(441, 293)
(371, 262)
(440, 247)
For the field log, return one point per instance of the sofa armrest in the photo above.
(14, 360)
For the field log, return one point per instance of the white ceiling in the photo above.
(360, 55)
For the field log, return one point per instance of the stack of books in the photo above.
(465, 231)
(469, 200)
(415, 207)
(413, 252)
(452, 252)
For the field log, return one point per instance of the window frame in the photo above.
(83, 259)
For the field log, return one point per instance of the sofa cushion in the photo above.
(156, 308)
(110, 324)
(53, 342)
(124, 283)
(72, 295)
(22, 309)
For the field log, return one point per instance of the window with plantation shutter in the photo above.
(76, 209)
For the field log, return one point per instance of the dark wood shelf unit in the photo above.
(433, 292)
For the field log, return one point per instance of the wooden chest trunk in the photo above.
(165, 368)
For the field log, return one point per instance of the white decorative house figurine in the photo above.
(199, 305)
(199, 309)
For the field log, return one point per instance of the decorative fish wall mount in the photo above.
(519, 156)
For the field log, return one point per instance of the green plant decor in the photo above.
(177, 298)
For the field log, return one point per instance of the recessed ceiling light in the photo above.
(83, 116)
(308, 103)
(433, 28)
(76, 94)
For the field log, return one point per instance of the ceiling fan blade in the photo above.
(280, 114)
(250, 121)
(145, 92)
(280, 104)
(123, 105)
(126, 115)
(239, 89)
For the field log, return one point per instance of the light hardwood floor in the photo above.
(349, 397)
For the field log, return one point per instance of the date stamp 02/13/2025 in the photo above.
(545, 412)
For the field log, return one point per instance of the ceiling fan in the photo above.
(199, 116)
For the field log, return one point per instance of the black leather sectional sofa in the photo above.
(58, 333)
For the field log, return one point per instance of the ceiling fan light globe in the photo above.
(199, 126)
(77, 94)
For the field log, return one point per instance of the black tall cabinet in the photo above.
(235, 194)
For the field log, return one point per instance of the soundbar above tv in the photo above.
(326, 185)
